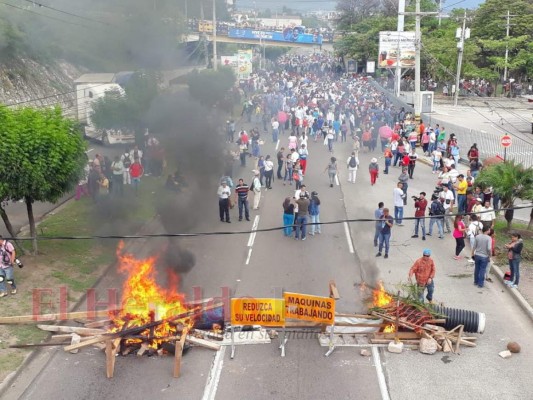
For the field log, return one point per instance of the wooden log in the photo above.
(75, 340)
(387, 341)
(112, 347)
(364, 316)
(144, 348)
(202, 342)
(71, 329)
(333, 291)
(98, 324)
(22, 319)
(459, 339)
(139, 329)
(178, 353)
(464, 342)
(446, 345)
(391, 335)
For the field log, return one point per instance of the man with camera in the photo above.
(420, 214)
(7, 260)
(436, 212)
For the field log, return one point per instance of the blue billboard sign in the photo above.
(294, 35)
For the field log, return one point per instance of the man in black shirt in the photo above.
(280, 158)
(241, 192)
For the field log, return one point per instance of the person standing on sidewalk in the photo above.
(459, 235)
(118, 173)
(398, 197)
(424, 271)
(461, 187)
(514, 255)
(378, 213)
(7, 261)
(352, 164)
(420, 214)
(256, 188)
(384, 234)
(224, 193)
(241, 193)
(482, 252)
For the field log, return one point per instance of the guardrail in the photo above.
(488, 142)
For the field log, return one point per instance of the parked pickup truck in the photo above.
(109, 137)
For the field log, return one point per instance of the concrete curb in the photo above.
(522, 302)
(515, 293)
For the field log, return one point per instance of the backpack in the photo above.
(353, 163)
(439, 209)
(252, 186)
(6, 254)
(127, 161)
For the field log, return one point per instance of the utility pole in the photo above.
(206, 47)
(462, 35)
(418, 39)
(215, 63)
(398, 75)
(507, 26)
(418, 42)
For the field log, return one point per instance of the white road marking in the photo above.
(252, 234)
(381, 376)
(277, 144)
(213, 379)
(249, 256)
(348, 237)
(337, 180)
(88, 151)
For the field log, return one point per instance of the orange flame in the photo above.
(389, 329)
(380, 297)
(144, 301)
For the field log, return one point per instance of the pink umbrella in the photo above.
(385, 132)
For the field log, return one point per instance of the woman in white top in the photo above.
(293, 141)
(269, 171)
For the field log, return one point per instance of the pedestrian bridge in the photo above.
(195, 37)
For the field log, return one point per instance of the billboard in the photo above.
(293, 35)
(244, 64)
(394, 47)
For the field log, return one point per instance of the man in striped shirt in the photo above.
(241, 192)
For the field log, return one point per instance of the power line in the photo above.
(44, 15)
(225, 233)
(65, 12)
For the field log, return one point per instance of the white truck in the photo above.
(89, 88)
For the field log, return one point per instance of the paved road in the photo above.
(258, 372)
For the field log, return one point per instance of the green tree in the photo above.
(118, 111)
(42, 157)
(510, 181)
(210, 87)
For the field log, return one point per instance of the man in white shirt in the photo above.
(256, 189)
(449, 200)
(398, 196)
(487, 216)
(224, 193)
(275, 130)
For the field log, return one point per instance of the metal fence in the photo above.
(488, 143)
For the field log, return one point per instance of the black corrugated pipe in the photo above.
(473, 321)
